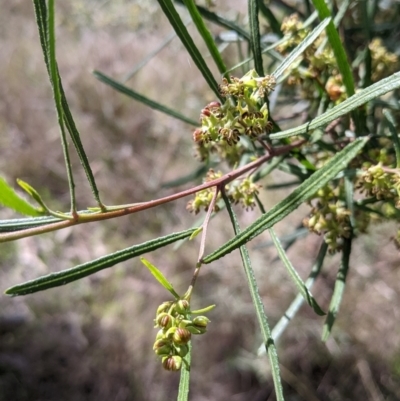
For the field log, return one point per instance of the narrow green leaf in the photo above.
(269, 343)
(270, 17)
(184, 382)
(395, 135)
(337, 47)
(180, 29)
(290, 312)
(206, 35)
(160, 277)
(299, 50)
(364, 96)
(303, 290)
(33, 193)
(338, 290)
(142, 99)
(41, 20)
(217, 19)
(86, 269)
(309, 187)
(55, 81)
(255, 37)
(9, 198)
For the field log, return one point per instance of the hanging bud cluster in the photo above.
(244, 192)
(244, 113)
(202, 199)
(240, 192)
(330, 218)
(384, 62)
(293, 31)
(173, 318)
(381, 182)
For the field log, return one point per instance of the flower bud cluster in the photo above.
(244, 193)
(384, 62)
(293, 31)
(203, 198)
(381, 182)
(176, 328)
(330, 218)
(244, 113)
(241, 191)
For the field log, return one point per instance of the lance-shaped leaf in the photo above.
(259, 306)
(338, 290)
(299, 50)
(308, 188)
(180, 29)
(160, 277)
(303, 290)
(9, 198)
(143, 99)
(378, 89)
(86, 269)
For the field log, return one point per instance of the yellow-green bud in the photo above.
(201, 321)
(172, 363)
(164, 307)
(182, 307)
(165, 320)
(162, 347)
(181, 336)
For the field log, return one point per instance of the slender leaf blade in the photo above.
(259, 306)
(338, 290)
(299, 50)
(364, 96)
(255, 41)
(143, 99)
(180, 29)
(9, 198)
(309, 187)
(160, 277)
(217, 19)
(89, 268)
(302, 288)
(337, 47)
(206, 35)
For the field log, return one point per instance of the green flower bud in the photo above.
(182, 307)
(200, 321)
(164, 307)
(160, 334)
(162, 347)
(165, 320)
(172, 363)
(181, 336)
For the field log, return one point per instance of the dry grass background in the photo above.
(92, 340)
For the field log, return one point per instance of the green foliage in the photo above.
(345, 159)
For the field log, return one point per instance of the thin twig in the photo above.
(137, 207)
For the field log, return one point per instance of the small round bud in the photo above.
(162, 347)
(182, 307)
(201, 321)
(165, 320)
(181, 336)
(172, 363)
(164, 307)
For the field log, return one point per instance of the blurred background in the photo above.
(92, 339)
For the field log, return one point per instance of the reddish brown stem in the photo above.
(86, 218)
